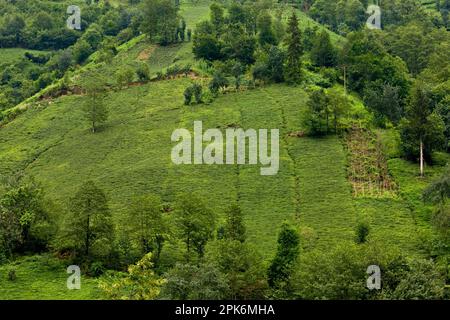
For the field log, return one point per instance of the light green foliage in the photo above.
(188, 281)
(242, 266)
(145, 225)
(87, 229)
(124, 77)
(438, 193)
(341, 274)
(160, 20)
(196, 223)
(422, 281)
(24, 221)
(94, 108)
(140, 283)
(44, 277)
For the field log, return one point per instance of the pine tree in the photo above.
(294, 51)
(287, 253)
(422, 128)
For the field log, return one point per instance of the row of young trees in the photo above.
(218, 262)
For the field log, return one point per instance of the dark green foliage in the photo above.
(182, 30)
(160, 20)
(275, 64)
(366, 61)
(337, 14)
(338, 106)
(24, 221)
(323, 53)
(12, 276)
(266, 35)
(188, 95)
(93, 36)
(219, 81)
(193, 91)
(217, 17)
(282, 265)
(224, 39)
(197, 91)
(422, 126)
(205, 44)
(237, 71)
(81, 51)
(235, 228)
(317, 118)
(344, 268)
(438, 193)
(362, 231)
(143, 72)
(270, 66)
(294, 51)
(309, 36)
(237, 14)
(259, 71)
(400, 12)
(189, 34)
(384, 100)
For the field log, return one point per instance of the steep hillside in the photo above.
(130, 156)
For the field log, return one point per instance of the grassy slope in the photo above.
(131, 156)
(43, 278)
(12, 55)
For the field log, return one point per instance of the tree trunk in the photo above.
(335, 123)
(345, 80)
(88, 235)
(421, 157)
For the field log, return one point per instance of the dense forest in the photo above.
(86, 116)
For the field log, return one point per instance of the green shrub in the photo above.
(362, 231)
(188, 95)
(143, 72)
